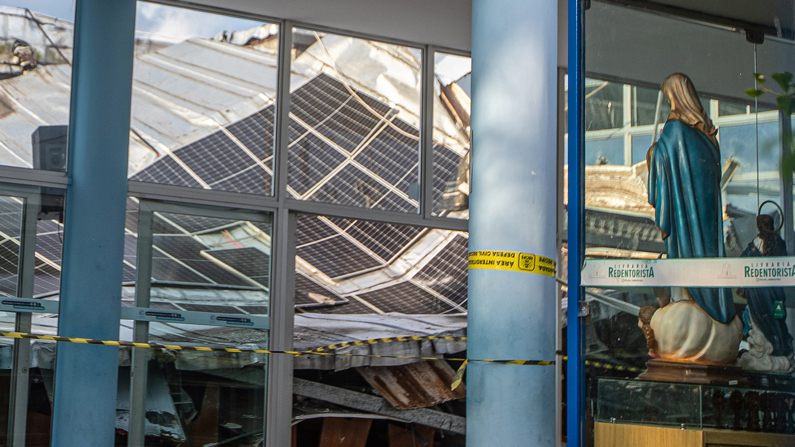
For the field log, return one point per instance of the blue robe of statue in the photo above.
(684, 188)
(760, 307)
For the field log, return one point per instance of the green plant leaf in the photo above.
(754, 93)
(786, 104)
(760, 78)
(784, 80)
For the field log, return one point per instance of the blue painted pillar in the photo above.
(86, 375)
(575, 367)
(513, 208)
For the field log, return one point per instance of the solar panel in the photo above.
(385, 239)
(256, 310)
(166, 171)
(445, 169)
(353, 187)
(46, 279)
(317, 99)
(163, 306)
(196, 224)
(348, 125)
(187, 250)
(214, 157)
(336, 257)
(256, 132)
(212, 308)
(167, 270)
(50, 246)
(405, 297)
(9, 257)
(446, 273)
(309, 161)
(305, 286)
(311, 228)
(392, 156)
(252, 180)
(10, 216)
(250, 261)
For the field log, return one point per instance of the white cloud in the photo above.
(181, 23)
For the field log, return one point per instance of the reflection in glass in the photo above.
(451, 135)
(217, 266)
(354, 122)
(346, 266)
(204, 89)
(35, 79)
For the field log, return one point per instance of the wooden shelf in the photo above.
(624, 435)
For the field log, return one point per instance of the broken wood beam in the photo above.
(378, 405)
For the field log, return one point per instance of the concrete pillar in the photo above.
(513, 208)
(86, 375)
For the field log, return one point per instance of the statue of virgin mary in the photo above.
(699, 324)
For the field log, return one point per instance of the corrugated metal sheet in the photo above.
(416, 385)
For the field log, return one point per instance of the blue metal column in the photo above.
(575, 367)
(513, 208)
(86, 375)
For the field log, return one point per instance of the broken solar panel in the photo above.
(405, 297)
(234, 163)
(337, 256)
(446, 273)
(310, 294)
(445, 169)
(251, 262)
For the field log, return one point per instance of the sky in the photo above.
(151, 18)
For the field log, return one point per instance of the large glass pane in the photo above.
(35, 77)
(713, 190)
(354, 122)
(204, 89)
(451, 135)
(359, 280)
(220, 267)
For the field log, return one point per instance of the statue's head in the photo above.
(681, 96)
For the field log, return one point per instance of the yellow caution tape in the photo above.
(513, 262)
(319, 351)
(459, 376)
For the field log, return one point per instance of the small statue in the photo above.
(769, 342)
(644, 320)
(699, 324)
(780, 407)
(736, 401)
(766, 406)
(717, 403)
(752, 403)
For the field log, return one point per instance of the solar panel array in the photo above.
(345, 148)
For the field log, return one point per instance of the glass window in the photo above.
(209, 286)
(604, 105)
(715, 169)
(354, 122)
(35, 78)
(353, 266)
(451, 135)
(204, 89)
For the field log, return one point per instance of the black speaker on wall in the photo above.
(49, 154)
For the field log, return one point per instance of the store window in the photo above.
(204, 94)
(688, 270)
(203, 279)
(354, 122)
(36, 50)
(452, 109)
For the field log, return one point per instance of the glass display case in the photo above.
(695, 406)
